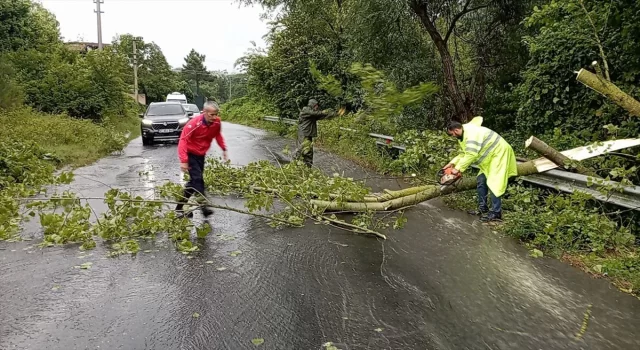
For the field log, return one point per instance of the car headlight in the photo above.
(183, 121)
(146, 122)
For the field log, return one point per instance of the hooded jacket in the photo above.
(307, 121)
(493, 155)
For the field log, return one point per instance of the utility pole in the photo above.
(99, 12)
(197, 85)
(135, 71)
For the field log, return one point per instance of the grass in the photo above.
(73, 142)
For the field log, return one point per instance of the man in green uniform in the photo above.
(308, 130)
(495, 158)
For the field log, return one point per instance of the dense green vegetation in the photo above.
(57, 107)
(512, 62)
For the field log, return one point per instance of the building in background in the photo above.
(83, 46)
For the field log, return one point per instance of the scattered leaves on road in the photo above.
(203, 230)
(196, 315)
(84, 266)
(536, 253)
(236, 253)
(330, 346)
(257, 341)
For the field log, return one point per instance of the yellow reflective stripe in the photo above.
(471, 142)
(486, 153)
(486, 140)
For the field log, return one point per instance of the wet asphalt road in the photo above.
(443, 282)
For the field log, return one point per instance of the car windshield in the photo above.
(164, 110)
(191, 108)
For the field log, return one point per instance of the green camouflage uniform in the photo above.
(307, 130)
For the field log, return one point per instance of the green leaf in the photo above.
(236, 253)
(597, 268)
(209, 262)
(329, 346)
(86, 265)
(196, 315)
(536, 253)
(221, 268)
(257, 341)
(378, 330)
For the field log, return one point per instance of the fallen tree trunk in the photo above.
(367, 198)
(558, 158)
(609, 90)
(414, 195)
(393, 200)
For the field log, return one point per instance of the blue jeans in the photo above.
(483, 191)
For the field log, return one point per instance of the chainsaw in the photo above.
(446, 177)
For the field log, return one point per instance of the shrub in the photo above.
(70, 140)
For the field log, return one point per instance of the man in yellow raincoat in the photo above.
(495, 158)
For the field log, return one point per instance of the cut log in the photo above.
(586, 152)
(556, 157)
(609, 90)
(414, 195)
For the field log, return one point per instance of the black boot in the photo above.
(180, 212)
(206, 211)
(180, 207)
(491, 217)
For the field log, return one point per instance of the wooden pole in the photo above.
(609, 90)
(558, 158)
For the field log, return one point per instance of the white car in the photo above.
(176, 97)
(190, 107)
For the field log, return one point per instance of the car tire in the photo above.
(147, 141)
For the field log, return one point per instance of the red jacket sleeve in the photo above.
(185, 138)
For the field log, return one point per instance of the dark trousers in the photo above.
(305, 151)
(196, 180)
(483, 191)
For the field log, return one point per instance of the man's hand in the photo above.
(448, 166)
(184, 167)
(225, 156)
(455, 171)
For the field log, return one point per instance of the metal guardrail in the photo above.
(564, 181)
(382, 140)
(281, 120)
(559, 180)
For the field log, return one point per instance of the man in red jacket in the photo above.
(195, 141)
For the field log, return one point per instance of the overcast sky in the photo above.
(220, 29)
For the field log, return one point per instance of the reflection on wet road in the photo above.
(443, 282)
